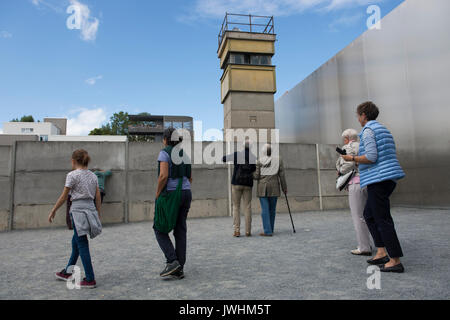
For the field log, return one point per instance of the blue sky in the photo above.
(152, 56)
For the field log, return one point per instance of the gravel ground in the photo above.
(314, 263)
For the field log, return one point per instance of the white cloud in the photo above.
(93, 80)
(5, 34)
(345, 21)
(84, 120)
(217, 8)
(88, 24)
(1, 131)
(51, 5)
(339, 4)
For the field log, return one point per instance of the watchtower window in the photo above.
(239, 58)
(260, 60)
(250, 59)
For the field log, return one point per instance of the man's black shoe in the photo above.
(397, 268)
(383, 260)
(170, 269)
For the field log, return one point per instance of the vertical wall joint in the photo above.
(318, 177)
(12, 181)
(127, 188)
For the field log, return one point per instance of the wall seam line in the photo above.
(127, 196)
(12, 185)
(318, 178)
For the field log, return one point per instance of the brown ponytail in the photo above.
(81, 157)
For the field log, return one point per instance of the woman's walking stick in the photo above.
(292, 221)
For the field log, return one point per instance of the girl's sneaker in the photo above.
(63, 275)
(88, 284)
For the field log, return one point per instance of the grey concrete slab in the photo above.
(209, 184)
(302, 182)
(50, 156)
(328, 183)
(4, 219)
(36, 188)
(5, 159)
(115, 187)
(298, 156)
(5, 191)
(328, 156)
(314, 263)
(143, 156)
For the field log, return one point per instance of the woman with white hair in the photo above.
(269, 174)
(357, 197)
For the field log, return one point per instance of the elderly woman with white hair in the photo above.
(357, 197)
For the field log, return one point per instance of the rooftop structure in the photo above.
(154, 125)
(60, 123)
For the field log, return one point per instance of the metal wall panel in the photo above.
(328, 100)
(405, 69)
(352, 82)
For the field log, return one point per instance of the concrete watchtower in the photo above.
(248, 83)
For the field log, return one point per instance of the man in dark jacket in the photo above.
(241, 187)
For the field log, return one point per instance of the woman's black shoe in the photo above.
(178, 275)
(397, 268)
(383, 260)
(171, 268)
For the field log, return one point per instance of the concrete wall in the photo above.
(41, 168)
(10, 139)
(5, 185)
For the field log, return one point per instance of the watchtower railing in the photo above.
(231, 20)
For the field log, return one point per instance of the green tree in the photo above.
(103, 131)
(118, 125)
(24, 119)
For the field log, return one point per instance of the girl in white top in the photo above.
(82, 185)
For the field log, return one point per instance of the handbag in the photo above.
(68, 219)
(343, 181)
(166, 209)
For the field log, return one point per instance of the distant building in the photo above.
(89, 138)
(60, 123)
(50, 127)
(154, 126)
